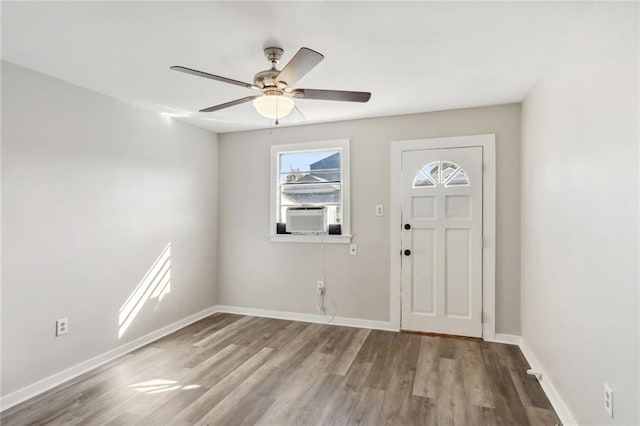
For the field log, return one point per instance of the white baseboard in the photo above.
(295, 316)
(562, 409)
(50, 382)
(509, 339)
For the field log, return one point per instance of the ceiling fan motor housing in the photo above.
(267, 79)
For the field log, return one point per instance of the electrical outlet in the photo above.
(321, 288)
(62, 326)
(608, 400)
(353, 249)
(379, 210)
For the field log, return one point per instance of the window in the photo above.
(447, 173)
(311, 174)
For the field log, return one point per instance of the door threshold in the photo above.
(451, 336)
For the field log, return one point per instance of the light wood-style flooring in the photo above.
(238, 370)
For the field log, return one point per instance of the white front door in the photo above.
(442, 241)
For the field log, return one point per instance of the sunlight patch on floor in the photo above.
(161, 385)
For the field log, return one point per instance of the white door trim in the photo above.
(488, 144)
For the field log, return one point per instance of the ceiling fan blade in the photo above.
(301, 63)
(230, 104)
(331, 95)
(213, 77)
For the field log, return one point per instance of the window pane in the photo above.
(422, 180)
(312, 176)
(431, 170)
(310, 194)
(459, 179)
(310, 166)
(448, 169)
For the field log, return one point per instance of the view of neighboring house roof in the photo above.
(320, 185)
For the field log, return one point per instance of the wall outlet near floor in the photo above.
(320, 287)
(353, 249)
(608, 400)
(62, 326)
(379, 210)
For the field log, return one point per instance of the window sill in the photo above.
(297, 238)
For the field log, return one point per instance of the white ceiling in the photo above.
(413, 57)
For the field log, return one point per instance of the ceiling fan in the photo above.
(275, 85)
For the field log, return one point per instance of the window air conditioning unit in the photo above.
(307, 220)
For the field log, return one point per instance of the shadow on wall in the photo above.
(155, 284)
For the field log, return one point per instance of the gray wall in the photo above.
(580, 217)
(93, 189)
(257, 273)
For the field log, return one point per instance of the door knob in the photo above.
(407, 252)
(407, 226)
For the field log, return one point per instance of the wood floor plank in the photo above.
(382, 359)
(368, 406)
(171, 406)
(291, 394)
(301, 346)
(396, 408)
(509, 407)
(224, 332)
(482, 416)
(286, 331)
(337, 339)
(217, 372)
(235, 400)
(452, 408)
(447, 348)
(339, 410)
(357, 374)
(234, 370)
(125, 419)
(347, 355)
(542, 417)
(474, 377)
(198, 371)
(427, 368)
(317, 401)
(201, 406)
(424, 411)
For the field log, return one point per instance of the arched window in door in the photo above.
(445, 173)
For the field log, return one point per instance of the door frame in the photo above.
(488, 144)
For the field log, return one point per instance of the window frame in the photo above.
(342, 145)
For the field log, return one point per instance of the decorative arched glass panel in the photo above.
(445, 173)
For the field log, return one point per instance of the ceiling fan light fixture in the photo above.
(274, 106)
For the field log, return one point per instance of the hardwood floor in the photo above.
(236, 370)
